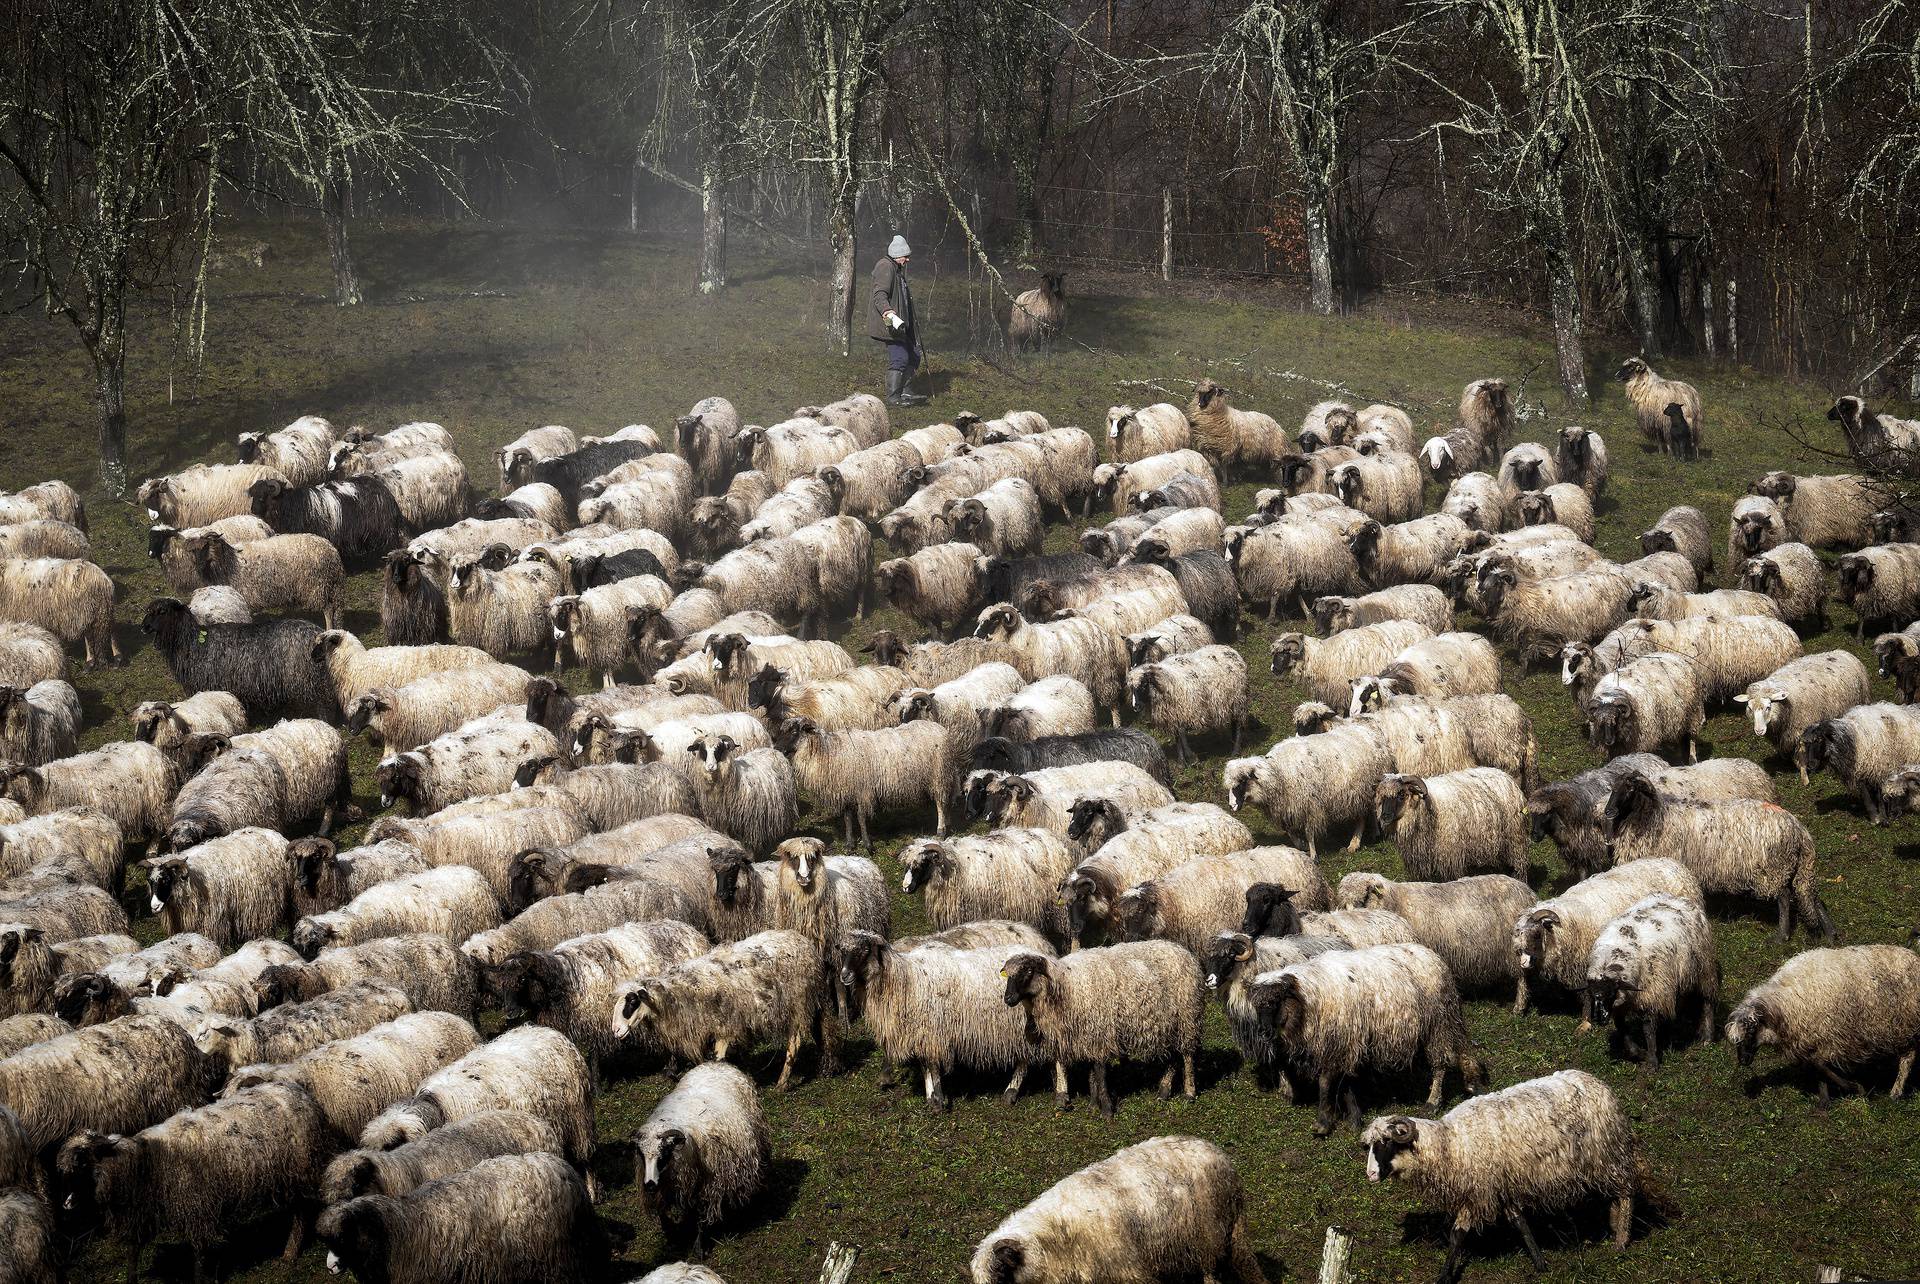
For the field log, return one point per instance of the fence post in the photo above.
(838, 1267)
(1336, 1257)
(1166, 234)
(1733, 319)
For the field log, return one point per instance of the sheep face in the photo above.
(1082, 895)
(1136, 914)
(1755, 531)
(921, 861)
(1395, 795)
(1495, 583)
(791, 733)
(1270, 911)
(1609, 992)
(1579, 448)
(1900, 795)
(1242, 780)
(971, 519)
(310, 936)
(914, 705)
(366, 707)
(1334, 614)
(1026, 977)
(1310, 717)
(1437, 455)
(1296, 473)
(401, 778)
(312, 859)
(524, 984)
(537, 771)
(166, 880)
(714, 754)
(804, 860)
(1006, 1262)
(1287, 653)
(1280, 1008)
(1529, 468)
(1768, 705)
(1151, 549)
(1369, 694)
(1855, 575)
(860, 954)
(356, 1238)
(1118, 417)
(1632, 794)
(1633, 368)
(12, 939)
(83, 998)
(1391, 1144)
(1347, 483)
(1224, 953)
(728, 865)
(1099, 544)
(1536, 508)
(1759, 575)
(530, 877)
(978, 791)
(659, 1154)
(1890, 527)
(1205, 391)
(1576, 662)
(1140, 687)
(998, 623)
(1816, 747)
(1612, 722)
(90, 1168)
(635, 1009)
(1533, 936)
(1091, 821)
(1749, 1027)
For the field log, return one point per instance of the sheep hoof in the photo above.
(1060, 1104)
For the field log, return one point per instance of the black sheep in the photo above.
(1206, 581)
(568, 473)
(359, 516)
(267, 665)
(997, 753)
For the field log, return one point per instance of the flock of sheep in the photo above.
(618, 873)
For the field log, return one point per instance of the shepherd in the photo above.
(890, 321)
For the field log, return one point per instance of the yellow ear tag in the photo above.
(202, 639)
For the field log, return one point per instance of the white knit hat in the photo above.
(897, 248)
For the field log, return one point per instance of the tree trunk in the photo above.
(713, 233)
(1320, 257)
(840, 218)
(1646, 304)
(335, 206)
(1026, 210)
(1707, 344)
(1565, 294)
(109, 355)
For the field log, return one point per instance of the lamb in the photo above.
(828, 896)
(1740, 847)
(570, 987)
(706, 434)
(70, 599)
(1542, 1146)
(1648, 704)
(1644, 962)
(1327, 667)
(1297, 558)
(509, 1218)
(302, 765)
(203, 1170)
(132, 782)
(452, 901)
(1057, 706)
(53, 501)
(1835, 1010)
(771, 983)
(231, 889)
(1011, 874)
(1200, 693)
(529, 1068)
(1312, 785)
(40, 723)
(1141, 1001)
(1136, 433)
(426, 970)
(704, 1152)
(1466, 921)
(1792, 576)
(359, 451)
(1038, 315)
(1681, 529)
(120, 1076)
(267, 666)
(1801, 693)
(1554, 940)
(1651, 398)
(1581, 458)
(1196, 900)
(198, 496)
(450, 1149)
(1450, 824)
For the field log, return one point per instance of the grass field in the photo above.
(490, 332)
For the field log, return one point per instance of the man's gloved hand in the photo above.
(894, 322)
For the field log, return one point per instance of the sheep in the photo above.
(1196, 900)
(359, 451)
(169, 725)
(53, 501)
(29, 1028)
(1580, 457)
(704, 1152)
(1792, 576)
(402, 718)
(326, 878)
(1203, 577)
(1119, 483)
(1438, 667)
(599, 623)
(200, 495)
(1450, 824)
(1526, 467)
(570, 473)
(1228, 436)
(745, 897)
(83, 843)
(1466, 921)
(1175, 635)
(1047, 797)
(829, 896)
(479, 758)
(1681, 529)
(119, 1076)
(508, 1218)
(1531, 614)
(1129, 850)
(232, 888)
(1421, 603)
(502, 612)
(302, 572)
(664, 852)
(132, 782)
(486, 841)
(1554, 940)
(517, 457)
(1652, 398)
(1801, 693)
(1136, 433)
(197, 1173)
(1542, 1146)
(427, 971)
(1310, 786)
(267, 666)
(1825, 512)
(771, 983)
(303, 760)
(1326, 423)
(1756, 526)
(1644, 962)
(1377, 1007)
(39, 723)
(1109, 1221)
(1056, 706)
(1200, 693)
(1734, 847)
(1466, 576)
(1001, 521)
(32, 963)
(1568, 811)
(1297, 558)
(864, 415)
(451, 901)
(706, 434)
(361, 517)
(70, 599)
(1728, 653)
(1172, 534)
(1386, 487)
(534, 503)
(1657, 602)
(1038, 315)
(42, 538)
(1647, 704)
(29, 654)
(1474, 499)
(1835, 1010)
(1182, 490)
(841, 550)
(1137, 748)
(1140, 1001)
(1008, 874)
(357, 669)
(865, 698)
(1879, 440)
(450, 1149)
(1079, 648)
(794, 447)
(1325, 667)
(570, 987)
(1880, 583)
(1564, 504)
(779, 577)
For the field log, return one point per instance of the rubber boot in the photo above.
(907, 396)
(895, 378)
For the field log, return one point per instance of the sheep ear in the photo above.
(1741, 698)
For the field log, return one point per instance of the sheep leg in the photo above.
(1273, 607)
(200, 1275)
(1097, 1083)
(1519, 1221)
(1186, 1073)
(1181, 746)
(1586, 1021)
(1060, 1093)
(1650, 1041)
(846, 819)
(940, 811)
(1352, 1102)
(1693, 749)
(1012, 1094)
(1323, 1109)
(786, 1067)
(936, 1093)
(866, 838)
(827, 1034)
(133, 1260)
(1520, 996)
(1786, 916)
(720, 1049)
(1900, 1075)
(1437, 1087)
(1456, 1255)
(296, 1237)
(1114, 715)
(1621, 1218)
(1166, 1081)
